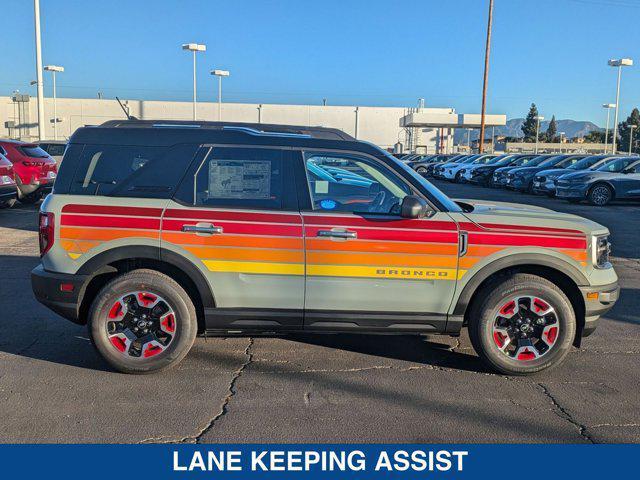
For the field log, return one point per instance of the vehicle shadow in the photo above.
(20, 217)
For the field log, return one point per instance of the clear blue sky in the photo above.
(551, 52)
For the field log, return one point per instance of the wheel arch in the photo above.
(566, 276)
(111, 263)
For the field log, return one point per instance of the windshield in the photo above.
(550, 162)
(449, 204)
(486, 160)
(617, 165)
(505, 160)
(585, 163)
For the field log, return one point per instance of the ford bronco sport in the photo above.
(158, 231)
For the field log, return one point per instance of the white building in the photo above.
(379, 125)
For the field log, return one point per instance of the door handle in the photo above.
(337, 234)
(206, 228)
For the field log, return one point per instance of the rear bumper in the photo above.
(47, 290)
(598, 301)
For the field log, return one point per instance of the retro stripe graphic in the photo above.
(271, 243)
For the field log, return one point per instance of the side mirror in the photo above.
(413, 207)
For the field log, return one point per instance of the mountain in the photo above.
(571, 129)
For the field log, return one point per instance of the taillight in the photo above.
(46, 230)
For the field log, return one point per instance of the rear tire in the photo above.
(110, 327)
(486, 320)
(29, 199)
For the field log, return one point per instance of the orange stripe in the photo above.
(233, 241)
(482, 250)
(387, 259)
(78, 246)
(579, 255)
(251, 255)
(86, 233)
(382, 246)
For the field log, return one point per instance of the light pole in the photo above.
(220, 74)
(195, 48)
(54, 69)
(623, 62)
(485, 80)
(538, 118)
(632, 127)
(608, 106)
(561, 134)
(36, 17)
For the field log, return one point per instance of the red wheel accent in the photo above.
(508, 308)
(526, 355)
(118, 343)
(540, 305)
(499, 338)
(145, 298)
(151, 350)
(169, 323)
(551, 335)
(116, 310)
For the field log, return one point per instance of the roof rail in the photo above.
(261, 133)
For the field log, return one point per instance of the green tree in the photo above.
(530, 124)
(595, 136)
(624, 131)
(552, 131)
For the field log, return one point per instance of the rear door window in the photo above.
(131, 171)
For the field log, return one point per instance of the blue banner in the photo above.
(348, 461)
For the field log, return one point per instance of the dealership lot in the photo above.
(54, 387)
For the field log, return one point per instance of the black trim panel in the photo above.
(321, 320)
(217, 319)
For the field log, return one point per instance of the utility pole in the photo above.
(41, 120)
(487, 53)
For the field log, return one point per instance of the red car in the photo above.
(35, 171)
(8, 191)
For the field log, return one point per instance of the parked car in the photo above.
(500, 174)
(55, 148)
(431, 167)
(521, 178)
(154, 234)
(482, 174)
(35, 171)
(452, 172)
(618, 179)
(422, 165)
(544, 182)
(8, 191)
(439, 171)
(463, 174)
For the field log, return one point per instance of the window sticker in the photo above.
(322, 186)
(239, 179)
(328, 204)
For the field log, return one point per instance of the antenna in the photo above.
(126, 112)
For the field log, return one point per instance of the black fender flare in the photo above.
(515, 260)
(100, 264)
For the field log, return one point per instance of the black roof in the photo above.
(315, 132)
(172, 132)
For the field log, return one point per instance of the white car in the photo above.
(451, 173)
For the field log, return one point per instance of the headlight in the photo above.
(601, 248)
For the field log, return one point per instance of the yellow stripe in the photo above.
(74, 255)
(385, 272)
(256, 267)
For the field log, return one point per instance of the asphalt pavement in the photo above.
(324, 388)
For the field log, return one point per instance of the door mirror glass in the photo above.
(413, 207)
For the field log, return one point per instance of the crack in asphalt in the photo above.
(223, 408)
(563, 413)
(232, 392)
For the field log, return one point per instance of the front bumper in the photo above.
(598, 301)
(8, 192)
(547, 187)
(571, 191)
(47, 288)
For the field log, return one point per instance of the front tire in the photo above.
(142, 322)
(600, 194)
(521, 324)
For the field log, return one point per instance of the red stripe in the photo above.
(114, 222)
(233, 216)
(380, 222)
(526, 240)
(241, 228)
(395, 235)
(521, 229)
(104, 210)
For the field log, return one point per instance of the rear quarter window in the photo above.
(127, 171)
